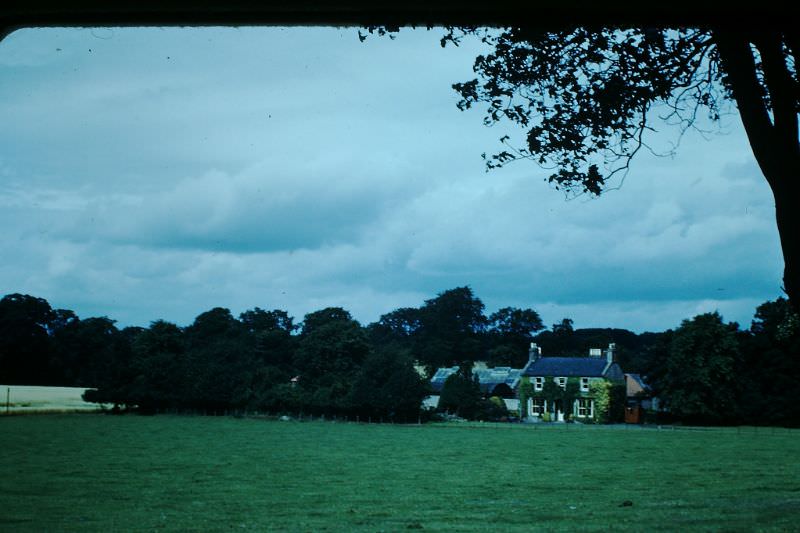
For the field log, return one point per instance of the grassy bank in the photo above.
(101, 473)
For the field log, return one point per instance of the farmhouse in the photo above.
(558, 388)
(548, 388)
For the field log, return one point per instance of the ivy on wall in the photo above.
(524, 392)
(609, 397)
(550, 392)
(609, 401)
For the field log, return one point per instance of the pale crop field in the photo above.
(32, 399)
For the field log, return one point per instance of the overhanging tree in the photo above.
(586, 96)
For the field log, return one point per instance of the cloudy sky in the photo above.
(157, 173)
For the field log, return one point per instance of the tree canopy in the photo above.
(586, 97)
(700, 378)
(704, 371)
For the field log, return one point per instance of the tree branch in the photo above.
(739, 64)
(779, 83)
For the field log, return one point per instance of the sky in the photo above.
(156, 173)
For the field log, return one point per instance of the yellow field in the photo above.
(32, 399)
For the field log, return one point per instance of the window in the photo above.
(537, 406)
(562, 382)
(585, 407)
(538, 383)
(584, 384)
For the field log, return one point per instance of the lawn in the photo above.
(88, 472)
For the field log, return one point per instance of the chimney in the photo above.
(534, 353)
(611, 353)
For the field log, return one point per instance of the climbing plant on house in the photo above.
(551, 392)
(609, 401)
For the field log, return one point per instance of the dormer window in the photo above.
(562, 382)
(584, 384)
(538, 383)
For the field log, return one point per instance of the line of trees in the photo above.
(704, 371)
(709, 371)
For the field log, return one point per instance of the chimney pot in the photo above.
(611, 352)
(534, 352)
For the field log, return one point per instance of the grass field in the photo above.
(133, 473)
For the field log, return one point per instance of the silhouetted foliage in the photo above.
(451, 328)
(510, 333)
(387, 385)
(586, 99)
(771, 366)
(91, 351)
(461, 394)
(705, 371)
(331, 348)
(699, 379)
(25, 347)
(272, 332)
(399, 327)
(159, 368)
(220, 360)
(630, 350)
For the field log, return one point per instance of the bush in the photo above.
(461, 395)
(493, 410)
(609, 402)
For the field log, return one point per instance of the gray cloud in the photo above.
(169, 171)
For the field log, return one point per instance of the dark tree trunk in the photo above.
(771, 131)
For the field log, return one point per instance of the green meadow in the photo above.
(90, 472)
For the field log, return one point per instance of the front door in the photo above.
(559, 411)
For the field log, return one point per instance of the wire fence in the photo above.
(42, 400)
(499, 426)
(560, 426)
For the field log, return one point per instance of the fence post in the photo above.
(8, 400)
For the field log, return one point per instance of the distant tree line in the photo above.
(704, 371)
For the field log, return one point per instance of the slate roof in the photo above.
(441, 375)
(488, 378)
(638, 379)
(587, 367)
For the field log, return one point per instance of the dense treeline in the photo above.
(704, 371)
(708, 371)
